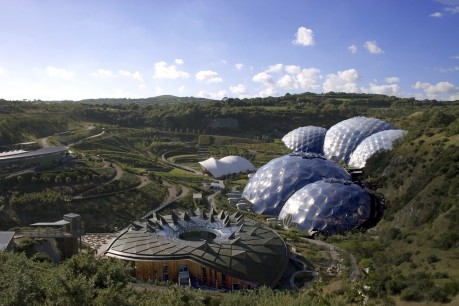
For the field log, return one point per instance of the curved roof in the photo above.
(342, 138)
(306, 139)
(232, 244)
(329, 206)
(271, 186)
(40, 152)
(379, 141)
(227, 165)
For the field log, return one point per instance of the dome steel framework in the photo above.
(342, 138)
(329, 206)
(271, 186)
(306, 139)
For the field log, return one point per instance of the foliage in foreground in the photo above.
(85, 280)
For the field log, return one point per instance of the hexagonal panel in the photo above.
(271, 186)
(330, 206)
(306, 139)
(379, 141)
(342, 138)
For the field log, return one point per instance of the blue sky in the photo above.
(60, 49)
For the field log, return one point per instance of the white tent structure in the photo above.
(225, 166)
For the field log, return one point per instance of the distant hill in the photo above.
(163, 99)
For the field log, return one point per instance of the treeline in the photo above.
(271, 115)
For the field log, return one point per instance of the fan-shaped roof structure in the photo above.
(271, 186)
(329, 206)
(227, 165)
(379, 141)
(228, 243)
(342, 138)
(306, 139)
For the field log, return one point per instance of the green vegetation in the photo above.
(410, 256)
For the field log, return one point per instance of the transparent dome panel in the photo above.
(342, 138)
(327, 211)
(377, 142)
(271, 186)
(306, 139)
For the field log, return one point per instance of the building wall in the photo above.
(41, 161)
(201, 275)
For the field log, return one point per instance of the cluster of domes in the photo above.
(341, 141)
(313, 189)
(273, 184)
(342, 138)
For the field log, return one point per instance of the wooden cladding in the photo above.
(199, 274)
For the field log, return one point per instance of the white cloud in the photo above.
(238, 89)
(372, 47)
(352, 48)
(285, 77)
(453, 9)
(163, 71)
(3, 71)
(181, 88)
(436, 15)
(263, 77)
(343, 81)
(292, 69)
(455, 57)
(103, 73)
(450, 7)
(450, 69)
(389, 90)
(441, 90)
(304, 37)
(135, 75)
(178, 61)
(392, 80)
(212, 95)
(208, 77)
(274, 68)
(142, 86)
(305, 79)
(448, 2)
(268, 92)
(239, 66)
(59, 72)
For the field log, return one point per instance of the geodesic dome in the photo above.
(342, 138)
(379, 141)
(329, 206)
(306, 139)
(271, 186)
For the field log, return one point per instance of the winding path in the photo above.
(334, 250)
(165, 160)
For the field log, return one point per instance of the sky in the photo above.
(73, 50)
